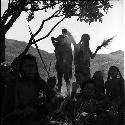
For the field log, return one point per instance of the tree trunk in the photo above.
(2, 50)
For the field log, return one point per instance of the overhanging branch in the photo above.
(14, 17)
(42, 24)
(49, 32)
(44, 8)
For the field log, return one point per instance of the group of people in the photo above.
(30, 100)
(110, 93)
(98, 102)
(65, 57)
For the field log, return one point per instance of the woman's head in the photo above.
(64, 31)
(85, 38)
(114, 72)
(28, 67)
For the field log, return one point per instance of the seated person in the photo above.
(20, 102)
(86, 103)
(115, 87)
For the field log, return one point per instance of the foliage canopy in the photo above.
(88, 11)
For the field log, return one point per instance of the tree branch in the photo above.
(34, 41)
(26, 49)
(44, 8)
(14, 17)
(42, 24)
(5, 17)
(49, 32)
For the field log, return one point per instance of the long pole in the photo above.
(39, 52)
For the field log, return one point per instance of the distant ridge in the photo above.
(100, 62)
(117, 52)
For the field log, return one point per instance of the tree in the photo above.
(88, 11)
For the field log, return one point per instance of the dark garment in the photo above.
(64, 58)
(82, 61)
(100, 86)
(19, 95)
(115, 91)
(85, 71)
(82, 56)
(8, 100)
(115, 94)
(83, 103)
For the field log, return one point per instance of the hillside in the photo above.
(14, 48)
(100, 62)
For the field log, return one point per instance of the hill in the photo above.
(100, 62)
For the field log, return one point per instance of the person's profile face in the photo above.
(29, 68)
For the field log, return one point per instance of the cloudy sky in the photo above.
(113, 24)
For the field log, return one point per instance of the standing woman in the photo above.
(82, 57)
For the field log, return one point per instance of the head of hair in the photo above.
(85, 37)
(110, 72)
(27, 57)
(64, 31)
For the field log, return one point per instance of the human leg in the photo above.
(66, 78)
(59, 76)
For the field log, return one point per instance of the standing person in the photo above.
(82, 56)
(115, 90)
(21, 97)
(64, 57)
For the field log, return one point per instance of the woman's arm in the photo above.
(94, 54)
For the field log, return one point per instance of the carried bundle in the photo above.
(106, 42)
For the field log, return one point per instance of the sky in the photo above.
(112, 24)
